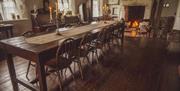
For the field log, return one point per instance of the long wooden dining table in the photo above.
(40, 49)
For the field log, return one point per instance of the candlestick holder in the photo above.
(50, 21)
(57, 26)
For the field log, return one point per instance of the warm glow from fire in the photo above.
(133, 33)
(135, 24)
(129, 23)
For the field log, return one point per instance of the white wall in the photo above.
(171, 10)
(177, 21)
(146, 3)
(34, 3)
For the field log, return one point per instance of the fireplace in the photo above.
(134, 13)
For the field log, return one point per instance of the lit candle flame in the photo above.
(50, 13)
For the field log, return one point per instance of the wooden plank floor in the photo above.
(140, 66)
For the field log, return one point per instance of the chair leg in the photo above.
(65, 73)
(74, 66)
(92, 55)
(103, 51)
(46, 69)
(29, 64)
(83, 59)
(71, 72)
(62, 74)
(88, 60)
(60, 80)
(80, 69)
(97, 58)
(122, 38)
(109, 45)
(117, 41)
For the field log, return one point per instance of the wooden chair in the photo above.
(99, 43)
(84, 46)
(29, 34)
(84, 49)
(118, 32)
(41, 22)
(144, 31)
(30, 63)
(65, 55)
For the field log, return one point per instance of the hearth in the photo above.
(133, 24)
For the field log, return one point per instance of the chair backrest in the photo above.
(86, 38)
(108, 33)
(66, 49)
(105, 34)
(101, 34)
(34, 21)
(86, 41)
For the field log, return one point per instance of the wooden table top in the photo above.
(19, 45)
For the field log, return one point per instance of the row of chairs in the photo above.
(72, 49)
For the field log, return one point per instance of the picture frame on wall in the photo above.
(115, 10)
(113, 1)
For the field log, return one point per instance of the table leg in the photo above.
(122, 38)
(7, 34)
(12, 72)
(41, 76)
(11, 32)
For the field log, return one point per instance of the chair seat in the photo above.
(96, 45)
(62, 63)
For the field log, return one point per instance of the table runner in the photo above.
(47, 38)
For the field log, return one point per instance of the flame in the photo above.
(135, 24)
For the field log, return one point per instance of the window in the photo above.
(65, 5)
(8, 9)
(96, 8)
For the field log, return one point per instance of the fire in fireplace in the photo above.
(134, 27)
(133, 24)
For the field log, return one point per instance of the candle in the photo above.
(50, 13)
(57, 13)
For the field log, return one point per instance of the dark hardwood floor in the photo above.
(141, 65)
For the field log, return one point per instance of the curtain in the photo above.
(95, 8)
(21, 8)
(65, 5)
(1, 11)
(8, 9)
(13, 9)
